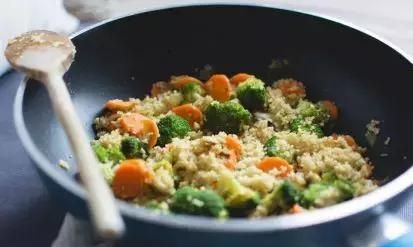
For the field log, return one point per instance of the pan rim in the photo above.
(273, 223)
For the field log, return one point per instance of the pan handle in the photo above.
(387, 230)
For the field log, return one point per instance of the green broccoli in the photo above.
(281, 198)
(132, 147)
(316, 112)
(300, 124)
(271, 149)
(236, 195)
(336, 191)
(290, 194)
(346, 188)
(228, 117)
(312, 193)
(192, 91)
(172, 126)
(101, 152)
(188, 200)
(105, 155)
(252, 94)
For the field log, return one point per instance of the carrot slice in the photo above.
(179, 82)
(296, 208)
(350, 141)
(331, 108)
(189, 112)
(219, 87)
(119, 105)
(238, 78)
(269, 163)
(231, 162)
(159, 87)
(291, 87)
(233, 143)
(130, 178)
(150, 127)
(139, 125)
(132, 123)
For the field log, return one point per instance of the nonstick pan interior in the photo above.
(121, 59)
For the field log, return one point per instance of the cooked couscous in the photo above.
(228, 148)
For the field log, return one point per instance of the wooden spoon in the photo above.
(46, 56)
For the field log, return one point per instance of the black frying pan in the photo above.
(366, 77)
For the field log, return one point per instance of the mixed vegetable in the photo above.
(233, 108)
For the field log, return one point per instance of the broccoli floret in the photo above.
(192, 91)
(281, 198)
(290, 194)
(105, 155)
(335, 191)
(313, 192)
(271, 149)
(172, 126)
(299, 124)
(252, 95)
(236, 195)
(188, 200)
(132, 147)
(346, 188)
(228, 117)
(101, 153)
(316, 112)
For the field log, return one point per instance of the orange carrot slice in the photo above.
(179, 82)
(139, 125)
(219, 87)
(296, 208)
(238, 78)
(350, 141)
(231, 162)
(132, 123)
(130, 178)
(331, 108)
(159, 87)
(291, 87)
(269, 163)
(233, 143)
(150, 128)
(119, 105)
(189, 112)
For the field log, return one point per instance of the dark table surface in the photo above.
(28, 217)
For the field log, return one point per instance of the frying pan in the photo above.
(367, 77)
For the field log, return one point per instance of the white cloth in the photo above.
(18, 16)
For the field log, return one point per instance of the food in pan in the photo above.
(228, 147)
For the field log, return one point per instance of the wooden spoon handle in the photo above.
(105, 215)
